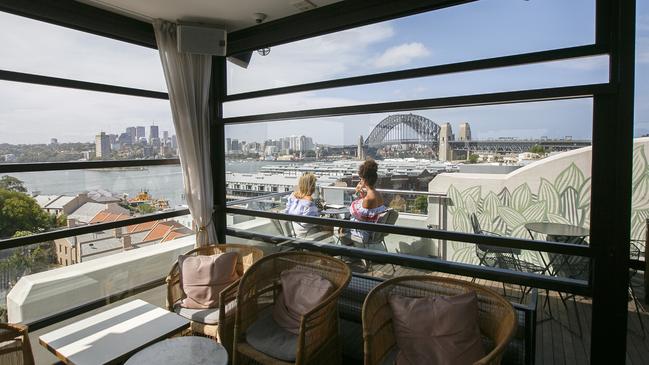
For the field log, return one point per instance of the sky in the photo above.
(487, 28)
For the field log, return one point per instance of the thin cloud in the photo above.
(401, 55)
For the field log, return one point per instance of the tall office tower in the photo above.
(174, 142)
(132, 132)
(153, 133)
(465, 132)
(102, 146)
(165, 137)
(139, 133)
(235, 145)
(228, 145)
(112, 138)
(359, 149)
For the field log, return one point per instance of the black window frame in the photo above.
(612, 131)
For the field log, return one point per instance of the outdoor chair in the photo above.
(497, 319)
(390, 216)
(502, 257)
(287, 229)
(317, 341)
(208, 322)
(637, 251)
(15, 348)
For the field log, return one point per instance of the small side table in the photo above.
(192, 350)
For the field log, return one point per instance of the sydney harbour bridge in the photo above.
(412, 129)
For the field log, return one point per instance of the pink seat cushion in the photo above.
(301, 292)
(203, 277)
(437, 330)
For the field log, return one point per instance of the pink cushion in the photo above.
(301, 292)
(203, 277)
(437, 330)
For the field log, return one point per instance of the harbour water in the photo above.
(162, 182)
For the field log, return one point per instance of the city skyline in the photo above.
(411, 42)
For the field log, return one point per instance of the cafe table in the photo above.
(112, 336)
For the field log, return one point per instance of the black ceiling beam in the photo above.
(83, 17)
(327, 19)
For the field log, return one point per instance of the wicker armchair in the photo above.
(497, 316)
(248, 255)
(14, 345)
(317, 341)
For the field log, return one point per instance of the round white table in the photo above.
(182, 350)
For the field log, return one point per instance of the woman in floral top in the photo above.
(368, 207)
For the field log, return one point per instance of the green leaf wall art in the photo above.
(563, 199)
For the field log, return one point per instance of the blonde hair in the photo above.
(305, 186)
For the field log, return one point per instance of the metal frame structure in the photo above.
(612, 135)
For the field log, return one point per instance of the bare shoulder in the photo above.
(370, 201)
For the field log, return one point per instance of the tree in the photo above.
(537, 149)
(146, 208)
(473, 158)
(12, 184)
(19, 212)
(421, 204)
(398, 203)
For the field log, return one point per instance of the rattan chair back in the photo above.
(248, 255)
(497, 318)
(259, 288)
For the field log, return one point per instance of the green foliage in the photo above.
(398, 203)
(537, 149)
(146, 209)
(12, 184)
(19, 212)
(421, 204)
(473, 158)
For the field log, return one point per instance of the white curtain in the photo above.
(188, 84)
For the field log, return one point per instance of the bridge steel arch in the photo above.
(404, 128)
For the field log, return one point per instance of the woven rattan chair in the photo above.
(317, 341)
(14, 345)
(248, 255)
(496, 315)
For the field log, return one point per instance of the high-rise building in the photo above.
(359, 151)
(174, 142)
(228, 145)
(102, 146)
(139, 133)
(132, 132)
(235, 145)
(153, 133)
(54, 141)
(165, 137)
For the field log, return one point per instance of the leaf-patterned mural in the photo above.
(564, 200)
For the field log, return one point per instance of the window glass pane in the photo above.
(46, 124)
(535, 76)
(502, 159)
(480, 29)
(57, 199)
(41, 48)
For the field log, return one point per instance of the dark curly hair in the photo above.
(368, 171)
